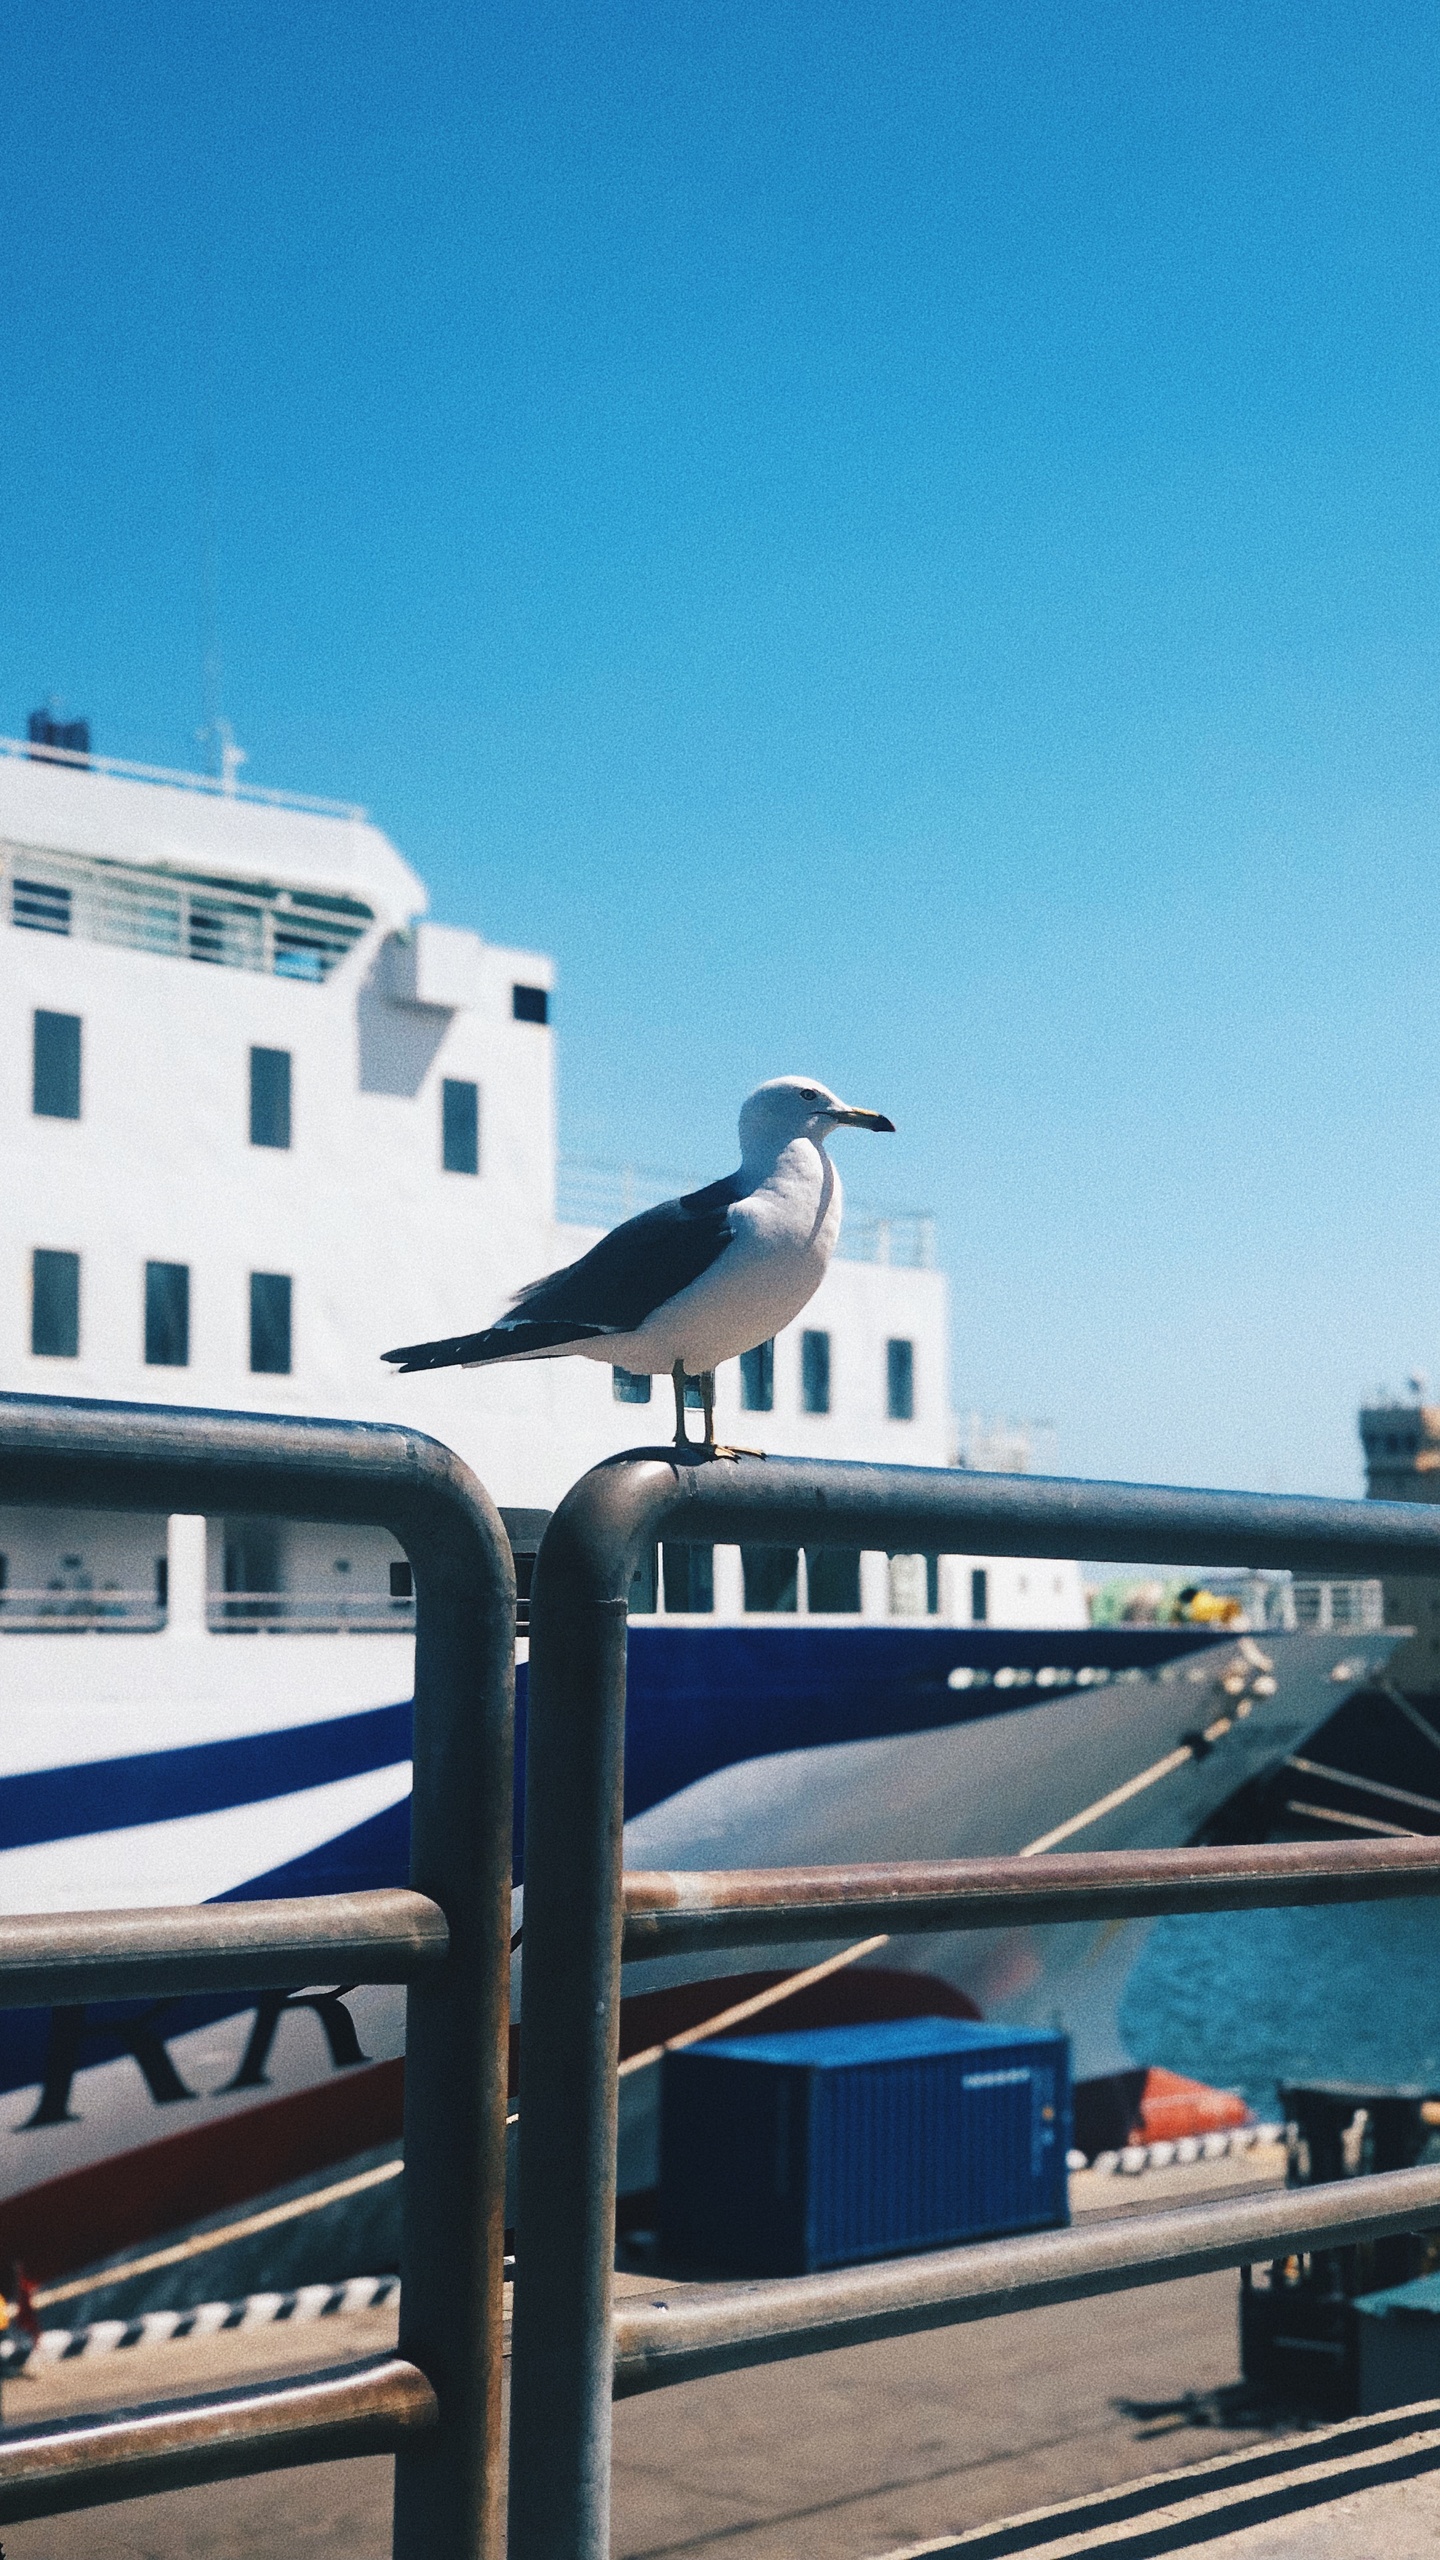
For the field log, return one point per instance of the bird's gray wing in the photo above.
(611, 1289)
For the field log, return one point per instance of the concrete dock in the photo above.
(872, 2451)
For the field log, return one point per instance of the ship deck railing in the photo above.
(56, 1610)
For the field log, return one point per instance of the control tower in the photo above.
(1402, 1464)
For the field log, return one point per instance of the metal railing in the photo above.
(435, 2403)
(231, 924)
(213, 785)
(571, 2352)
(59, 1609)
(308, 1613)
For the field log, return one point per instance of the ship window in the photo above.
(530, 1004)
(55, 1085)
(900, 1380)
(932, 1586)
(689, 1577)
(757, 1379)
(630, 1386)
(167, 1315)
(402, 1581)
(55, 1305)
(645, 1584)
(40, 906)
(772, 1577)
(979, 1595)
(832, 1580)
(815, 1372)
(269, 1097)
(270, 1309)
(459, 1126)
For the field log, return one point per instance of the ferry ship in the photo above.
(263, 1118)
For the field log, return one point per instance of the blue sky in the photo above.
(899, 541)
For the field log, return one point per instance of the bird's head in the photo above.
(791, 1107)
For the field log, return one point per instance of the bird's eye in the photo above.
(808, 1093)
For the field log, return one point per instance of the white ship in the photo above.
(262, 1119)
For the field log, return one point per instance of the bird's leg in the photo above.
(677, 1380)
(717, 1448)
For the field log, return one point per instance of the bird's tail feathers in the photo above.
(504, 1341)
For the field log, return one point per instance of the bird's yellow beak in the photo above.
(846, 1116)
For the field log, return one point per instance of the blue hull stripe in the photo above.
(204, 1777)
(701, 1698)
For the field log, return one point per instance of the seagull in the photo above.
(698, 1280)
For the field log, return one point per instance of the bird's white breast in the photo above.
(785, 1228)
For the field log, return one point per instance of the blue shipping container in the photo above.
(783, 2153)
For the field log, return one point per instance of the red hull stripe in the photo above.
(136, 2195)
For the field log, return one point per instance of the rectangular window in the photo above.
(815, 1372)
(270, 1296)
(55, 1305)
(900, 1381)
(167, 1315)
(689, 1577)
(772, 1576)
(645, 1585)
(530, 1004)
(55, 1085)
(757, 1379)
(630, 1386)
(40, 906)
(979, 1595)
(402, 1580)
(932, 1586)
(459, 1126)
(269, 1097)
(832, 1580)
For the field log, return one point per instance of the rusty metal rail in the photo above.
(436, 2404)
(570, 2353)
(676, 1912)
(51, 1958)
(377, 2406)
(720, 2328)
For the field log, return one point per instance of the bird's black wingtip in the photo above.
(411, 1357)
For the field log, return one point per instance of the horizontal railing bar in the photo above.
(50, 1958)
(722, 2328)
(179, 2444)
(668, 1913)
(803, 1501)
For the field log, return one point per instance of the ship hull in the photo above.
(277, 1767)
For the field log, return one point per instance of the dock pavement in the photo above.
(864, 2454)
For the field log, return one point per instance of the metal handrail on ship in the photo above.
(572, 2352)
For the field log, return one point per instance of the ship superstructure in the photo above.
(263, 1118)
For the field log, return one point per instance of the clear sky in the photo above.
(897, 541)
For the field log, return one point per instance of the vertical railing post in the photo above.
(457, 2036)
(561, 2357)
(164, 1458)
